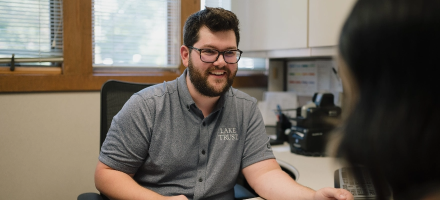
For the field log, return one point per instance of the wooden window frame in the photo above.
(76, 73)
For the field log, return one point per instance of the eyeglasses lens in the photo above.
(209, 55)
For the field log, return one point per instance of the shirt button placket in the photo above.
(201, 172)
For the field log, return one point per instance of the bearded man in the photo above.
(191, 137)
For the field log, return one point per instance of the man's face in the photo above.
(212, 79)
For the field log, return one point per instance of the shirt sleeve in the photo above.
(257, 145)
(128, 139)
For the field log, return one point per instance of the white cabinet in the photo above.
(280, 28)
(326, 18)
(271, 24)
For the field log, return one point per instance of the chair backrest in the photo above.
(114, 94)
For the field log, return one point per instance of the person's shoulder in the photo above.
(240, 95)
(158, 90)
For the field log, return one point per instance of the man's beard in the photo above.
(200, 81)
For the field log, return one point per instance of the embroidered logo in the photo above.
(227, 134)
(268, 146)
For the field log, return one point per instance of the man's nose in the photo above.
(220, 61)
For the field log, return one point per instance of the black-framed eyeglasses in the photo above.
(211, 55)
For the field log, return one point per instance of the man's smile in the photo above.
(217, 73)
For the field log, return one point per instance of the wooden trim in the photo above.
(31, 70)
(77, 73)
(77, 34)
(188, 7)
(260, 80)
(70, 82)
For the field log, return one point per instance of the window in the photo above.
(136, 33)
(226, 4)
(31, 31)
(245, 63)
(77, 72)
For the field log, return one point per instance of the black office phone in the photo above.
(344, 178)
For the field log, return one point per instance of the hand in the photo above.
(180, 197)
(333, 193)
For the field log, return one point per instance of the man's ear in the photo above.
(184, 54)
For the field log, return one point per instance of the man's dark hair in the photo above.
(215, 19)
(391, 48)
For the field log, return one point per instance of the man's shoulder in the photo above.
(158, 90)
(240, 95)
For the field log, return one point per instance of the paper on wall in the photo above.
(302, 77)
(305, 78)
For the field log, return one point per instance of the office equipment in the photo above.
(273, 102)
(282, 125)
(309, 129)
(361, 188)
(304, 108)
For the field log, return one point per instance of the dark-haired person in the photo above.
(389, 52)
(189, 138)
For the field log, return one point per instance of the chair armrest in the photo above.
(241, 192)
(89, 196)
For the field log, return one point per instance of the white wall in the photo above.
(49, 144)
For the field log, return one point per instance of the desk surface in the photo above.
(312, 172)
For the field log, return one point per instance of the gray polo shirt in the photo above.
(162, 137)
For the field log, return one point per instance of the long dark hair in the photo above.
(216, 19)
(391, 48)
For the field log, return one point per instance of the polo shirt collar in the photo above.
(186, 99)
(182, 88)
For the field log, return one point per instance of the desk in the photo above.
(312, 172)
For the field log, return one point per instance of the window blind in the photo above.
(136, 33)
(32, 31)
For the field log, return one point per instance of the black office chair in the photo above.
(114, 94)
